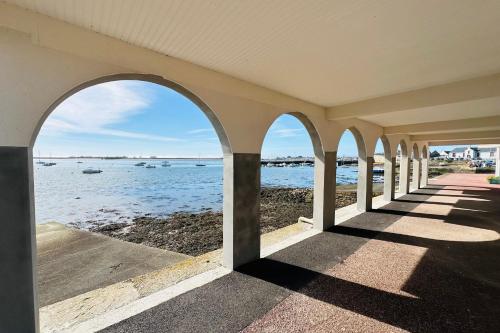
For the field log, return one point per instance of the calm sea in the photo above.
(123, 191)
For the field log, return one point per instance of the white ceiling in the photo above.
(324, 51)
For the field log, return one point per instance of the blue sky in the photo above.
(134, 118)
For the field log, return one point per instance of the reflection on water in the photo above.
(122, 191)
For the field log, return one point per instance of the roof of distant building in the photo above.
(487, 150)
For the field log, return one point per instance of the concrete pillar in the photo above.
(365, 184)
(18, 305)
(497, 167)
(241, 219)
(404, 175)
(417, 164)
(389, 178)
(425, 173)
(324, 191)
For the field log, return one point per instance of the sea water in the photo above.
(124, 191)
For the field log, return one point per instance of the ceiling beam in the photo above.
(457, 136)
(442, 126)
(456, 92)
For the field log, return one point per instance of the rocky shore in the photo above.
(197, 233)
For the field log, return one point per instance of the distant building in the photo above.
(444, 154)
(487, 153)
(469, 153)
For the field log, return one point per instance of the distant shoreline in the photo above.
(125, 158)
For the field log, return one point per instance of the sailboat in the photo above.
(39, 159)
(199, 164)
(49, 163)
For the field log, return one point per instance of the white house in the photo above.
(471, 153)
(443, 154)
(488, 153)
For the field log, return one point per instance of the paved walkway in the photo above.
(427, 262)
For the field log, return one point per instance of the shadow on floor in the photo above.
(456, 285)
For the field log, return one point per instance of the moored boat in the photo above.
(91, 171)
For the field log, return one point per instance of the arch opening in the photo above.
(402, 167)
(132, 158)
(350, 153)
(382, 169)
(288, 155)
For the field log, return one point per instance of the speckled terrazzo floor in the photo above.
(427, 262)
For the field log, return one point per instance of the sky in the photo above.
(135, 118)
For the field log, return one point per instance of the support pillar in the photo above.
(325, 171)
(18, 306)
(365, 184)
(424, 180)
(417, 164)
(389, 178)
(241, 219)
(404, 175)
(497, 165)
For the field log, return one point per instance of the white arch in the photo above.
(310, 128)
(219, 129)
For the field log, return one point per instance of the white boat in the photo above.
(91, 171)
(149, 166)
(165, 164)
(49, 164)
(140, 164)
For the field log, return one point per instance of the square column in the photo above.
(389, 178)
(497, 165)
(404, 175)
(18, 306)
(365, 184)
(417, 164)
(424, 180)
(325, 172)
(241, 211)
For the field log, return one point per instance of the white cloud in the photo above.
(95, 109)
(287, 132)
(201, 130)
